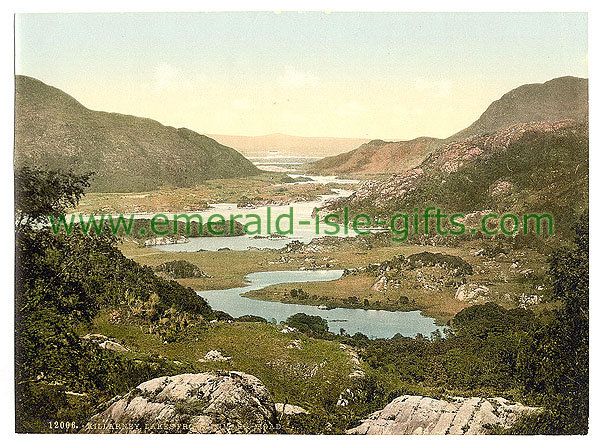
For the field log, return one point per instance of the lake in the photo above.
(373, 323)
(302, 211)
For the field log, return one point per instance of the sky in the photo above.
(362, 75)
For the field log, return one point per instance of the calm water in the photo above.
(301, 211)
(373, 323)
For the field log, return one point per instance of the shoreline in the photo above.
(440, 320)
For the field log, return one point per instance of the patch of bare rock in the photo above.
(215, 402)
(418, 415)
(471, 292)
(214, 355)
(289, 409)
(424, 270)
(104, 342)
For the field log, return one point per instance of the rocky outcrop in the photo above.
(165, 240)
(382, 284)
(227, 402)
(451, 157)
(402, 189)
(471, 292)
(104, 342)
(424, 270)
(289, 409)
(214, 355)
(295, 344)
(413, 415)
(114, 346)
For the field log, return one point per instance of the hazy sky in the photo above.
(372, 75)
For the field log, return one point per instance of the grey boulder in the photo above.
(414, 415)
(213, 402)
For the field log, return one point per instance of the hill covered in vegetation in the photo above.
(560, 98)
(536, 167)
(563, 98)
(92, 325)
(127, 153)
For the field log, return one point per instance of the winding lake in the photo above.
(301, 210)
(373, 323)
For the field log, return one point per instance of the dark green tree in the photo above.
(307, 323)
(554, 368)
(40, 193)
(61, 282)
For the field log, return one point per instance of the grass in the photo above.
(229, 268)
(314, 376)
(440, 305)
(503, 280)
(265, 188)
(305, 377)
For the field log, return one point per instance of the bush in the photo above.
(307, 323)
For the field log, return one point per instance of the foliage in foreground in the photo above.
(307, 324)
(541, 359)
(62, 281)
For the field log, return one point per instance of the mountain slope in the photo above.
(558, 99)
(531, 167)
(377, 157)
(127, 153)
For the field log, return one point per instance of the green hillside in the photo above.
(538, 167)
(127, 153)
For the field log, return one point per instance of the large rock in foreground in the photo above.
(227, 402)
(412, 415)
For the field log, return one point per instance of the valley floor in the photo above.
(507, 278)
(268, 188)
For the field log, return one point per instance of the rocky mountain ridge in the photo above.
(502, 169)
(563, 98)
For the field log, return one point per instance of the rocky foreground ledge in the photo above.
(414, 415)
(204, 403)
(235, 402)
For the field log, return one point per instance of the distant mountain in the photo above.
(377, 157)
(561, 98)
(558, 99)
(288, 144)
(529, 167)
(127, 153)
